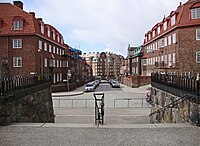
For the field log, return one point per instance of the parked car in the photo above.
(90, 87)
(115, 84)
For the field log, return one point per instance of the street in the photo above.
(120, 107)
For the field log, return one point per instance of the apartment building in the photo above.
(135, 55)
(104, 64)
(173, 45)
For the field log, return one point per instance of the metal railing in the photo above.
(72, 102)
(143, 104)
(188, 84)
(8, 85)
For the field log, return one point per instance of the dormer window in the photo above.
(17, 23)
(54, 35)
(58, 38)
(173, 20)
(149, 36)
(195, 13)
(153, 33)
(158, 30)
(165, 25)
(48, 32)
(42, 28)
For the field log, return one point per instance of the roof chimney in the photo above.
(19, 4)
(33, 14)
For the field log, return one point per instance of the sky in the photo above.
(102, 25)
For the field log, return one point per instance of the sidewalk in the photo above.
(77, 91)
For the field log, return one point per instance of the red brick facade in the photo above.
(173, 49)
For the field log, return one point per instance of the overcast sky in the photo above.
(102, 25)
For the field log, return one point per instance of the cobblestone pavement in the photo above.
(64, 136)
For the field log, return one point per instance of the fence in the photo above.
(64, 102)
(188, 84)
(131, 102)
(9, 85)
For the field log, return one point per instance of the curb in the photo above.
(80, 93)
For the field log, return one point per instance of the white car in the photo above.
(115, 84)
(89, 87)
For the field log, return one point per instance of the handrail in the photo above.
(167, 106)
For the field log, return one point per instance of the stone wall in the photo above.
(136, 81)
(32, 104)
(184, 111)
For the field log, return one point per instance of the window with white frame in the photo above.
(57, 63)
(165, 25)
(169, 40)
(173, 20)
(195, 13)
(18, 24)
(50, 48)
(54, 49)
(45, 46)
(174, 58)
(153, 33)
(54, 63)
(174, 38)
(158, 30)
(60, 63)
(17, 43)
(42, 28)
(17, 61)
(58, 38)
(67, 64)
(57, 51)
(197, 34)
(48, 32)
(63, 52)
(149, 36)
(162, 58)
(165, 41)
(54, 35)
(169, 59)
(45, 62)
(198, 57)
(166, 59)
(162, 42)
(60, 52)
(40, 44)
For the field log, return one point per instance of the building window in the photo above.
(173, 20)
(17, 43)
(198, 56)
(149, 36)
(54, 35)
(153, 34)
(45, 46)
(166, 41)
(42, 28)
(57, 63)
(158, 30)
(169, 40)
(17, 61)
(40, 44)
(48, 32)
(45, 62)
(174, 58)
(54, 49)
(174, 38)
(195, 13)
(165, 25)
(50, 49)
(57, 51)
(197, 34)
(58, 38)
(18, 24)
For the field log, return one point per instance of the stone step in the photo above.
(136, 126)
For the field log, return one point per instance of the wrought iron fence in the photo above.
(188, 84)
(8, 85)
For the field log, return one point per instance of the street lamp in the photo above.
(68, 78)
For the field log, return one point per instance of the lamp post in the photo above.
(68, 78)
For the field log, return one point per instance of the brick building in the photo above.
(28, 45)
(173, 45)
(106, 65)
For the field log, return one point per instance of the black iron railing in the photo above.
(9, 85)
(188, 84)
